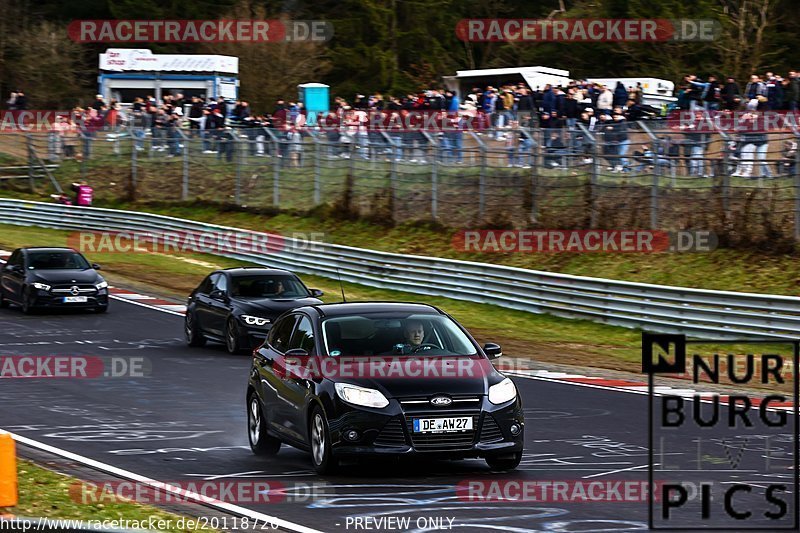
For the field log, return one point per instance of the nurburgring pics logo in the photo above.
(583, 241)
(735, 455)
(587, 30)
(199, 31)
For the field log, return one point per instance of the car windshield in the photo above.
(66, 260)
(269, 286)
(395, 334)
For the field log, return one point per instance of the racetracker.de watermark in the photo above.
(199, 31)
(552, 491)
(260, 491)
(701, 121)
(33, 120)
(73, 366)
(587, 30)
(176, 242)
(583, 241)
(379, 366)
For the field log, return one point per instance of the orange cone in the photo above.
(8, 471)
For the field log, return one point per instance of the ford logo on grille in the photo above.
(441, 401)
(74, 290)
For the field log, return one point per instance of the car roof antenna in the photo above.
(344, 300)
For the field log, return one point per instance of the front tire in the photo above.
(3, 301)
(321, 454)
(101, 309)
(504, 462)
(193, 335)
(260, 442)
(27, 302)
(233, 341)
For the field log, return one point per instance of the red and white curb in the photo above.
(144, 300)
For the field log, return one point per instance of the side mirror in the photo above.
(316, 293)
(492, 350)
(95, 266)
(217, 294)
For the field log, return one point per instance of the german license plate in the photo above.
(75, 299)
(442, 425)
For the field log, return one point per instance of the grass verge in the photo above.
(44, 493)
(539, 337)
(722, 269)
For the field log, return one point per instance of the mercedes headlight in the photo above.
(503, 392)
(251, 320)
(361, 396)
(41, 286)
(102, 285)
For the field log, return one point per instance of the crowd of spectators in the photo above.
(509, 117)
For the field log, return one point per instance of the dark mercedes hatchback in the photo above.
(58, 278)
(353, 379)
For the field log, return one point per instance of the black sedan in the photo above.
(238, 305)
(52, 278)
(384, 379)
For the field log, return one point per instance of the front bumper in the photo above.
(389, 431)
(254, 335)
(46, 299)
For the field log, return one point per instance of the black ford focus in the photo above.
(57, 278)
(353, 379)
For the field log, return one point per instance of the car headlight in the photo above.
(361, 396)
(102, 285)
(251, 320)
(503, 392)
(41, 286)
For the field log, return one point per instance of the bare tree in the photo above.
(744, 42)
(268, 71)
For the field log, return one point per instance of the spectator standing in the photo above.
(21, 103)
(731, 95)
(620, 96)
(605, 101)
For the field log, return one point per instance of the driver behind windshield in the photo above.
(413, 336)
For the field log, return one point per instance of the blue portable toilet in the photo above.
(315, 98)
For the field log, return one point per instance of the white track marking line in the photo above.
(234, 509)
(134, 302)
(618, 470)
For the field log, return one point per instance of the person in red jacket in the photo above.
(83, 193)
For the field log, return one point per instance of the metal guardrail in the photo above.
(697, 312)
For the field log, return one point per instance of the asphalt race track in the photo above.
(185, 421)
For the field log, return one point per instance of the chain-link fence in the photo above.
(744, 187)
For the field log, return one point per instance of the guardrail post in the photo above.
(134, 166)
(482, 185)
(317, 171)
(593, 181)
(29, 145)
(185, 173)
(797, 191)
(535, 159)
(726, 178)
(276, 175)
(654, 202)
(240, 156)
(85, 154)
